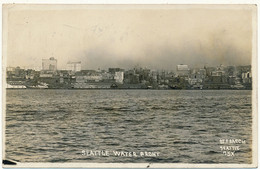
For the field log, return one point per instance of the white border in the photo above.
(131, 1)
(255, 62)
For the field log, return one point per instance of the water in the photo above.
(184, 126)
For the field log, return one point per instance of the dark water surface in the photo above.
(184, 126)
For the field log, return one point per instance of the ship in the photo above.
(15, 85)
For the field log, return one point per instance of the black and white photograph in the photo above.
(129, 85)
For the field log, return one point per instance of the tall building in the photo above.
(183, 70)
(74, 66)
(49, 64)
(119, 77)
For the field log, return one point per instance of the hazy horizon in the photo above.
(109, 36)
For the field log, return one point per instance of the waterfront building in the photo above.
(217, 81)
(131, 78)
(230, 70)
(243, 69)
(209, 70)
(107, 77)
(89, 77)
(183, 70)
(194, 79)
(153, 74)
(16, 73)
(49, 64)
(202, 72)
(10, 69)
(218, 72)
(30, 73)
(19, 72)
(232, 80)
(119, 77)
(247, 77)
(74, 66)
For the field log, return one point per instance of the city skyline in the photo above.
(68, 67)
(220, 77)
(154, 38)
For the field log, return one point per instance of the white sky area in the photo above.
(157, 37)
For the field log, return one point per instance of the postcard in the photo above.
(129, 86)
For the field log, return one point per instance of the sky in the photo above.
(152, 36)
